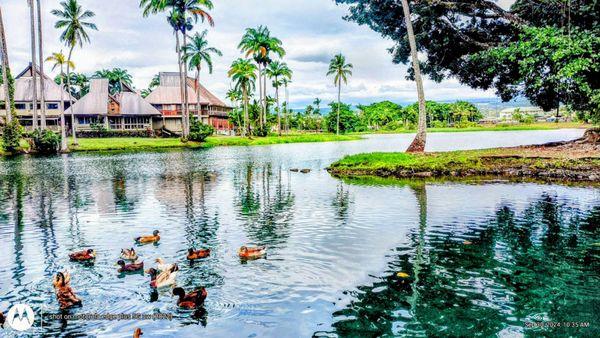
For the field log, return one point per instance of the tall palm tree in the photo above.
(59, 61)
(182, 15)
(259, 43)
(5, 67)
(277, 70)
(243, 74)
(235, 97)
(196, 53)
(116, 78)
(33, 64)
(317, 103)
(41, 60)
(340, 70)
(418, 144)
(71, 19)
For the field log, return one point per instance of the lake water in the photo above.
(488, 259)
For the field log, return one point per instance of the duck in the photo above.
(252, 252)
(197, 254)
(64, 293)
(161, 265)
(2, 320)
(132, 267)
(154, 238)
(83, 256)
(137, 333)
(164, 278)
(191, 300)
(129, 254)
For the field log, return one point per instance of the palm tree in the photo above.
(195, 54)
(235, 96)
(33, 64)
(116, 78)
(5, 67)
(275, 71)
(286, 81)
(258, 42)
(340, 70)
(317, 103)
(243, 74)
(71, 18)
(59, 60)
(418, 144)
(181, 23)
(41, 60)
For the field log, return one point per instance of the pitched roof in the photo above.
(133, 103)
(24, 87)
(169, 92)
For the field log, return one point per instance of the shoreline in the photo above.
(574, 161)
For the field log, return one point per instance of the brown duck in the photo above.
(197, 254)
(132, 267)
(83, 256)
(64, 293)
(191, 300)
(137, 333)
(154, 238)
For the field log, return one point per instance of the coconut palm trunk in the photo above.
(278, 107)
(182, 87)
(73, 124)
(33, 65)
(260, 95)
(5, 67)
(63, 128)
(198, 106)
(186, 98)
(265, 98)
(246, 118)
(418, 144)
(41, 60)
(337, 128)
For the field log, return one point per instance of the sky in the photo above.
(312, 31)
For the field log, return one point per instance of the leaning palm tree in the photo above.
(59, 61)
(340, 70)
(243, 74)
(71, 18)
(196, 53)
(5, 67)
(277, 71)
(41, 60)
(418, 144)
(33, 64)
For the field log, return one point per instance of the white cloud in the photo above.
(312, 32)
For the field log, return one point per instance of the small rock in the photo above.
(295, 170)
(305, 171)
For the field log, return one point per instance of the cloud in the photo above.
(312, 31)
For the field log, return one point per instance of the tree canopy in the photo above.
(479, 43)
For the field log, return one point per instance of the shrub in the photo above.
(45, 141)
(199, 131)
(11, 136)
(104, 133)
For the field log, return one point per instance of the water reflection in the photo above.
(515, 268)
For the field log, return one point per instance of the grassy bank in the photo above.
(508, 162)
(136, 144)
(497, 127)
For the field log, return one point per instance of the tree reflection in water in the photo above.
(491, 279)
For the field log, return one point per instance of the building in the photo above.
(53, 94)
(167, 99)
(126, 110)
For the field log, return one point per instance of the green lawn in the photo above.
(132, 143)
(498, 127)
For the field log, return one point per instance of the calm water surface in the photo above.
(483, 259)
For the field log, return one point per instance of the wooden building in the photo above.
(53, 95)
(167, 99)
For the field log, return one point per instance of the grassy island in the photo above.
(567, 161)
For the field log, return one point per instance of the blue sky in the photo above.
(312, 31)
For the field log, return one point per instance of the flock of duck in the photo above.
(162, 275)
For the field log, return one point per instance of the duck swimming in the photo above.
(191, 300)
(161, 265)
(132, 267)
(137, 333)
(252, 252)
(2, 320)
(64, 293)
(83, 256)
(197, 254)
(154, 238)
(164, 278)
(129, 254)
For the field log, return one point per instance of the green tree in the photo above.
(344, 120)
(276, 71)
(243, 74)
(196, 53)
(59, 60)
(116, 78)
(340, 70)
(71, 18)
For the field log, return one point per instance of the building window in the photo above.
(141, 122)
(20, 106)
(52, 106)
(82, 120)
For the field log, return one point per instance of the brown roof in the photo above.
(169, 92)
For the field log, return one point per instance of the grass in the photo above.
(137, 144)
(497, 127)
(496, 162)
